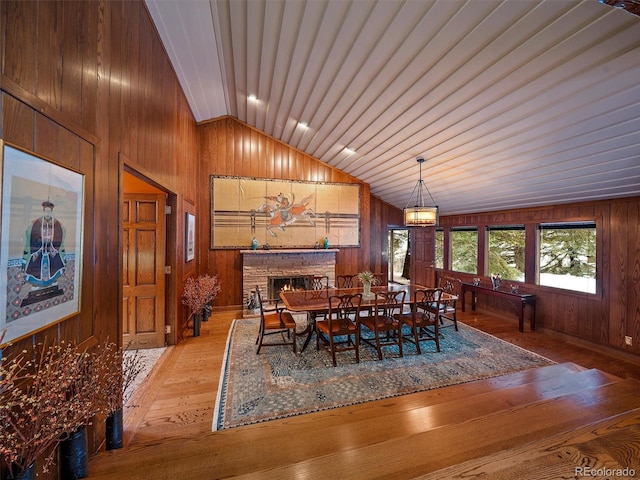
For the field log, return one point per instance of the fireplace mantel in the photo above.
(288, 251)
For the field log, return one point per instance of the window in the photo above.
(506, 251)
(439, 248)
(398, 255)
(464, 250)
(567, 256)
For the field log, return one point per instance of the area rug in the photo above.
(277, 384)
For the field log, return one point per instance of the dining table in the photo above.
(316, 301)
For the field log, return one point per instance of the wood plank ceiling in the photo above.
(513, 103)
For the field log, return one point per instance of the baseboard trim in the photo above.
(596, 347)
(565, 337)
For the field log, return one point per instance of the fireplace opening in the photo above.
(275, 285)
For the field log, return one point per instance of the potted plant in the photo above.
(367, 279)
(45, 398)
(198, 293)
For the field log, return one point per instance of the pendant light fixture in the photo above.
(419, 214)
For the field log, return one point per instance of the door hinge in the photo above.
(167, 270)
(167, 209)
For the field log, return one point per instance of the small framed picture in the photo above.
(41, 242)
(190, 237)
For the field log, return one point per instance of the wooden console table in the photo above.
(522, 299)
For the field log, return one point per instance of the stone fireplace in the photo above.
(292, 266)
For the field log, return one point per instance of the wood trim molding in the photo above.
(617, 353)
(129, 166)
(31, 100)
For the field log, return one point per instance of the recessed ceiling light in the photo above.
(253, 98)
(349, 151)
(303, 125)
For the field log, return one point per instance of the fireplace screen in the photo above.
(281, 284)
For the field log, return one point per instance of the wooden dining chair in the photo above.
(346, 281)
(424, 318)
(277, 321)
(383, 322)
(318, 282)
(338, 330)
(452, 286)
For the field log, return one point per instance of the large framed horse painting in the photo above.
(283, 213)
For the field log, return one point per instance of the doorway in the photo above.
(399, 255)
(144, 253)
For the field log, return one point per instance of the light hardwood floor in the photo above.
(537, 424)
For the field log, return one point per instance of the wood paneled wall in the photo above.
(89, 85)
(230, 147)
(604, 318)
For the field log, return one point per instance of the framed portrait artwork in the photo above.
(190, 237)
(41, 242)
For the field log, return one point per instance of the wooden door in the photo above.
(143, 247)
(423, 270)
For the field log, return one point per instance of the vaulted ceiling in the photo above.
(513, 103)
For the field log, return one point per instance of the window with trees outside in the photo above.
(506, 251)
(464, 250)
(567, 256)
(439, 248)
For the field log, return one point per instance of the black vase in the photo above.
(205, 314)
(73, 455)
(28, 473)
(196, 325)
(114, 431)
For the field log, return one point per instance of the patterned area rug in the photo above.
(276, 384)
